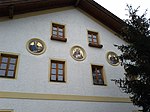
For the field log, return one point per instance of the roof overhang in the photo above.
(13, 7)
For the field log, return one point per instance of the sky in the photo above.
(118, 7)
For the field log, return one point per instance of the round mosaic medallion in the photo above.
(112, 58)
(36, 46)
(78, 53)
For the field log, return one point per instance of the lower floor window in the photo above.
(8, 65)
(98, 76)
(57, 71)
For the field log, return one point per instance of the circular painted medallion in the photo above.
(112, 58)
(36, 46)
(78, 53)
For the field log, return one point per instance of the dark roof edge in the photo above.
(101, 8)
(13, 7)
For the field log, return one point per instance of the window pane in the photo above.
(94, 81)
(54, 36)
(94, 74)
(60, 72)
(99, 76)
(60, 78)
(100, 81)
(60, 34)
(10, 73)
(98, 71)
(11, 67)
(53, 71)
(89, 35)
(54, 28)
(94, 77)
(60, 30)
(4, 59)
(90, 39)
(2, 72)
(60, 66)
(13, 60)
(94, 40)
(53, 65)
(94, 36)
(53, 77)
(93, 71)
(54, 32)
(3, 66)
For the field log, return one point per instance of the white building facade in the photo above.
(40, 70)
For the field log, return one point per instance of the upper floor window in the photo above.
(93, 39)
(58, 32)
(98, 75)
(57, 71)
(8, 64)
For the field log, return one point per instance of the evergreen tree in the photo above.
(135, 58)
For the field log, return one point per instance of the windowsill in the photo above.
(7, 77)
(95, 45)
(100, 84)
(59, 39)
(58, 81)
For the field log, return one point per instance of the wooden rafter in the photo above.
(11, 11)
(13, 7)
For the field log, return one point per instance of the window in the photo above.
(57, 71)
(98, 76)
(93, 39)
(58, 32)
(8, 64)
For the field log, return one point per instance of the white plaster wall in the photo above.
(62, 106)
(33, 71)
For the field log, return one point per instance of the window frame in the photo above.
(8, 63)
(57, 69)
(93, 44)
(57, 37)
(101, 68)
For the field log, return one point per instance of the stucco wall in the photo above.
(33, 70)
(62, 106)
